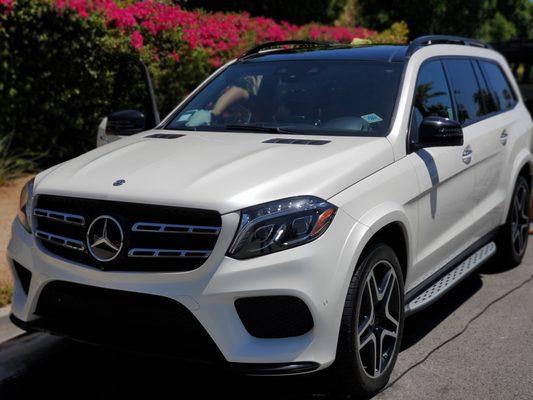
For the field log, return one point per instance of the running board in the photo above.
(452, 278)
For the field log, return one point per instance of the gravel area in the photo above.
(9, 198)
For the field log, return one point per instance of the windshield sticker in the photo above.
(450, 113)
(371, 118)
(186, 116)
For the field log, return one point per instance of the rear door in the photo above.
(481, 137)
(490, 132)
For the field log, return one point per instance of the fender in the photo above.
(390, 213)
(379, 217)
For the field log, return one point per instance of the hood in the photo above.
(221, 171)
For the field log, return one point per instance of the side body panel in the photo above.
(469, 200)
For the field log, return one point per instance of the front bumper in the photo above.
(317, 273)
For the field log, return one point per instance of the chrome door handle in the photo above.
(503, 137)
(467, 155)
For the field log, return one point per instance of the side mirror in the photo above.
(437, 131)
(125, 123)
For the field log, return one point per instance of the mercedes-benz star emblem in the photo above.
(105, 238)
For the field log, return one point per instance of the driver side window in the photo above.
(432, 96)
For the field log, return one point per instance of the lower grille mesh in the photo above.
(130, 320)
(274, 316)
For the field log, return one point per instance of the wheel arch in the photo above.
(395, 236)
(394, 229)
(523, 165)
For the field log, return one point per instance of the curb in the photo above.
(4, 312)
(8, 331)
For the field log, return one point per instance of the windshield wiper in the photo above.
(260, 128)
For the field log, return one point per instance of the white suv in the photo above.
(289, 213)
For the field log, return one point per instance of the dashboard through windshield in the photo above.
(321, 97)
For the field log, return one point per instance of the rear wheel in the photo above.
(513, 236)
(372, 323)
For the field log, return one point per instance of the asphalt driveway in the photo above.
(475, 343)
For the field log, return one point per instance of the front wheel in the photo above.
(372, 323)
(513, 236)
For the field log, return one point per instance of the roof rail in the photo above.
(281, 43)
(443, 39)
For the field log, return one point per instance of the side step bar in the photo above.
(452, 278)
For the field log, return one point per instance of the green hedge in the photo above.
(54, 81)
(57, 73)
(57, 66)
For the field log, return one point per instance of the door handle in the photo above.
(467, 155)
(503, 137)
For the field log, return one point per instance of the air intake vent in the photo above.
(164, 136)
(274, 316)
(297, 141)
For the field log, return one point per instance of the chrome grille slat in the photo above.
(61, 240)
(175, 228)
(59, 216)
(168, 253)
(150, 233)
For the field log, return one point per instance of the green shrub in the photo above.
(53, 79)
(58, 61)
(14, 163)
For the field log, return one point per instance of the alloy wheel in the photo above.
(378, 319)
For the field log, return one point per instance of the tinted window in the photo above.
(466, 91)
(501, 90)
(432, 96)
(325, 97)
(489, 101)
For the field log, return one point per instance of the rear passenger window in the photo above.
(503, 94)
(489, 101)
(466, 91)
(432, 96)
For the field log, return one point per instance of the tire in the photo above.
(355, 347)
(511, 242)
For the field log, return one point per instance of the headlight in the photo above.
(280, 225)
(25, 204)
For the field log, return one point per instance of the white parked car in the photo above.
(289, 214)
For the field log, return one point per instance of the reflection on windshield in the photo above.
(322, 97)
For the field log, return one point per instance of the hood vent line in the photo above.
(164, 136)
(297, 141)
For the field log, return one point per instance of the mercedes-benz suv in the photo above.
(289, 213)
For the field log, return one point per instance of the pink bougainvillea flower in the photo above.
(175, 56)
(136, 40)
(6, 5)
(221, 36)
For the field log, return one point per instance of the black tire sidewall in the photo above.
(505, 239)
(347, 353)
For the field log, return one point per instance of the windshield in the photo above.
(323, 97)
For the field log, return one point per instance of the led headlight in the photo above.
(280, 225)
(24, 211)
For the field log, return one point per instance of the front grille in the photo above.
(155, 238)
(274, 316)
(134, 321)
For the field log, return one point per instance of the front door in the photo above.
(445, 178)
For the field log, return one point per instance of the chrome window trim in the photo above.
(152, 227)
(59, 216)
(60, 240)
(170, 253)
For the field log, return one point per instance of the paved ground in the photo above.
(476, 343)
